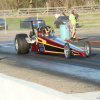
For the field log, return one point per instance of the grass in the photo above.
(85, 20)
(90, 20)
(89, 26)
(49, 20)
(14, 23)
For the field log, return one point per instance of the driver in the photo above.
(46, 31)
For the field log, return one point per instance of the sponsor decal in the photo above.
(41, 49)
(40, 45)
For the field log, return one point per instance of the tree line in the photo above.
(16, 4)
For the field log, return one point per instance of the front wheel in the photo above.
(87, 49)
(67, 51)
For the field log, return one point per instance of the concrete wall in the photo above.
(16, 89)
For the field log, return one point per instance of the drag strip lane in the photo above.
(7, 44)
(67, 71)
(62, 66)
(75, 66)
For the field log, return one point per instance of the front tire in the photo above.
(87, 49)
(21, 45)
(67, 50)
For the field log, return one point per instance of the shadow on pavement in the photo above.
(3, 58)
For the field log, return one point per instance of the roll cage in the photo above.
(40, 29)
(33, 36)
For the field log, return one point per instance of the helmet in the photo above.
(46, 31)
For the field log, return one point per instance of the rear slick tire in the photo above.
(21, 45)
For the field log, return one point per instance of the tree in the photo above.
(17, 4)
(31, 3)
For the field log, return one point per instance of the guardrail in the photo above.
(16, 89)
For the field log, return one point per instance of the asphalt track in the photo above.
(83, 69)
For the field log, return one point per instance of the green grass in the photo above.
(90, 26)
(90, 22)
(49, 20)
(87, 19)
(14, 23)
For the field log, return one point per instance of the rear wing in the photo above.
(65, 15)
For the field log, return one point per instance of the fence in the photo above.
(7, 12)
(50, 10)
(40, 11)
(87, 8)
(33, 11)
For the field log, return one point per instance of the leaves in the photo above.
(15, 4)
